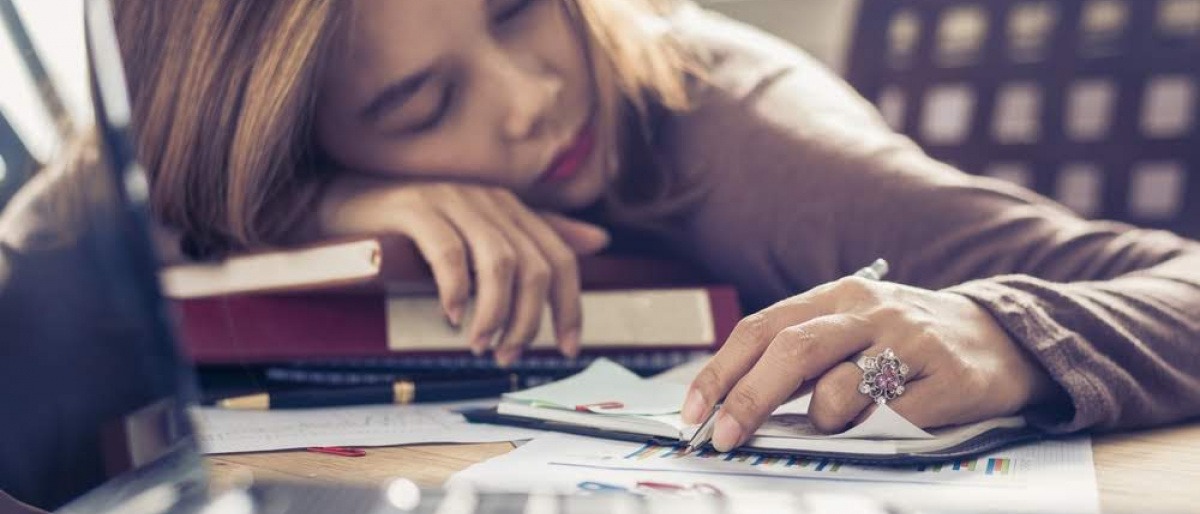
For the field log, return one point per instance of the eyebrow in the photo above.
(394, 95)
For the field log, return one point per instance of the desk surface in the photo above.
(1147, 471)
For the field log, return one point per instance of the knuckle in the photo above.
(751, 329)
(856, 290)
(564, 263)
(927, 337)
(708, 381)
(889, 313)
(453, 254)
(746, 399)
(795, 343)
(535, 276)
(503, 264)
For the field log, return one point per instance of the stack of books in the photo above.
(365, 310)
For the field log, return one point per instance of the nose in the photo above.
(529, 91)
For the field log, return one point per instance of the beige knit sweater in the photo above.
(809, 184)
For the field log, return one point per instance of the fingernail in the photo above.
(727, 434)
(693, 407)
(454, 315)
(481, 343)
(570, 344)
(505, 358)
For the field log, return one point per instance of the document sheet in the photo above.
(234, 431)
(1050, 476)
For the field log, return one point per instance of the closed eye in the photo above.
(509, 9)
(438, 115)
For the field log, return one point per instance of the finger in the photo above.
(741, 350)
(582, 238)
(443, 248)
(531, 283)
(914, 363)
(797, 354)
(565, 306)
(836, 400)
(923, 404)
(495, 263)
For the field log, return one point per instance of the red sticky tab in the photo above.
(344, 451)
(661, 486)
(600, 405)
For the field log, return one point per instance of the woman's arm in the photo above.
(478, 240)
(808, 184)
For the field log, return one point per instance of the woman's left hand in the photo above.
(963, 367)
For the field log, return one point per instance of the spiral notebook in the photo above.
(607, 400)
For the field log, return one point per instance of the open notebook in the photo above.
(606, 400)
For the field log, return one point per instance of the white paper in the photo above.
(660, 397)
(1051, 476)
(790, 422)
(606, 382)
(235, 431)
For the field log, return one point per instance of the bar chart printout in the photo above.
(1002, 469)
(1046, 477)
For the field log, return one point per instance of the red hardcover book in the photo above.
(375, 297)
(315, 327)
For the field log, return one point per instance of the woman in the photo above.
(487, 129)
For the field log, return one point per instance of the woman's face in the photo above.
(492, 91)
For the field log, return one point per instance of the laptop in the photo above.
(95, 394)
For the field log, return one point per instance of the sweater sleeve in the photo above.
(805, 183)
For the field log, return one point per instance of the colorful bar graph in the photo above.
(992, 466)
(983, 467)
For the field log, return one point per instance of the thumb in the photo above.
(583, 238)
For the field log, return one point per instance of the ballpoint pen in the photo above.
(876, 271)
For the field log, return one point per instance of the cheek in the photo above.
(564, 49)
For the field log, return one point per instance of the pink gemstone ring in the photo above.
(883, 376)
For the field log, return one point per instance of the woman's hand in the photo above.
(521, 259)
(963, 367)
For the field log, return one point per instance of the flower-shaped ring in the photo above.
(883, 376)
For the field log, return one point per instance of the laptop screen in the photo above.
(95, 393)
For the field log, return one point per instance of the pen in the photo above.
(875, 271)
(400, 392)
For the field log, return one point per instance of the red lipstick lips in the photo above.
(568, 162)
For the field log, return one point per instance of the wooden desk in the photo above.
(1149, 471)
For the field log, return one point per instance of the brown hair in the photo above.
(224, 91)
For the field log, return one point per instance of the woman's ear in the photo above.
(583, 238)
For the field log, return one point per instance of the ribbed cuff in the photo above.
(1018, 303)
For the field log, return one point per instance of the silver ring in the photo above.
(883, 376)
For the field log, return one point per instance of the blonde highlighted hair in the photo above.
(224, 91)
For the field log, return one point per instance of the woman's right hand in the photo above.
(521, 259)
